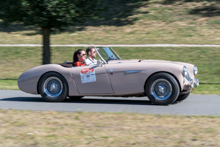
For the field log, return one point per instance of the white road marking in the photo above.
(113, 45)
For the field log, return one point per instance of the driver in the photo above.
(91, 53)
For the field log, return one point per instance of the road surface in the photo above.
(193, 105)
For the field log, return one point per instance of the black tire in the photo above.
(53, 87)
(182, 97)
(75, 97)
(162, 89)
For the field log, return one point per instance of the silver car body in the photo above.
(112, 77)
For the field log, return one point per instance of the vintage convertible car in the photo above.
(163, 82)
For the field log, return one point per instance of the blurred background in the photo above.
(111, 22)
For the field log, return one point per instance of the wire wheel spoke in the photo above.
(161, 89)
(53, 87)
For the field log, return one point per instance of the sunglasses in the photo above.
(83, 55)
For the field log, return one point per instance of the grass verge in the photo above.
(8, 84)
(16, 60)
(207, 89)
(30, 128)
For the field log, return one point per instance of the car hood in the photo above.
(152, 62)
(145, 61)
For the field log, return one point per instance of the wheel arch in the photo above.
(162, 72)
(52, 72)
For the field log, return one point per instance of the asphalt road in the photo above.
(193, 105)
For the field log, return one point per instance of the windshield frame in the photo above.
(106, 61)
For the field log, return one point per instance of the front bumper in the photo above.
(196, 83)
(192, 83)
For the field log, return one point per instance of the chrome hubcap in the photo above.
(161, 89)
(53, 87)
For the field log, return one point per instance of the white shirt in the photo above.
(89, 61)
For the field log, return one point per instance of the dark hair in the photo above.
(75, 58)
(89, 49)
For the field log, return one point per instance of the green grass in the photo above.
(134, 22)
(207, 89)
(16, 60)
(8, 84)
(59, 129)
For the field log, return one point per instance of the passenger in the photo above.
(91, 53)
(79, 57)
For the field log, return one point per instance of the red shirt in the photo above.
(78, 63)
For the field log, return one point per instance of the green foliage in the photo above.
(48, 13)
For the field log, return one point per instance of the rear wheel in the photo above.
(162, 89)
(53, 87)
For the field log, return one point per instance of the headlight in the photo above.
(195, 70)
(184, 71)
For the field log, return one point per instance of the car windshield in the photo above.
(108, 53)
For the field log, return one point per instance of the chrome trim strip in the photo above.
(116, 53)
(133, 71)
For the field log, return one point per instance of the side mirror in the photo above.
(99, 63)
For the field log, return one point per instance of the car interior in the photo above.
(67, 64)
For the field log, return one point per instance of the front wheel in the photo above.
(53, 87)
(182, 97)
(162, 89)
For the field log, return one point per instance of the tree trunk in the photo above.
(46, 45)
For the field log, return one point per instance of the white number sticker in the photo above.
(87, 75)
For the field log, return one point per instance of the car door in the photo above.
(91, 80)
(126, 79)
